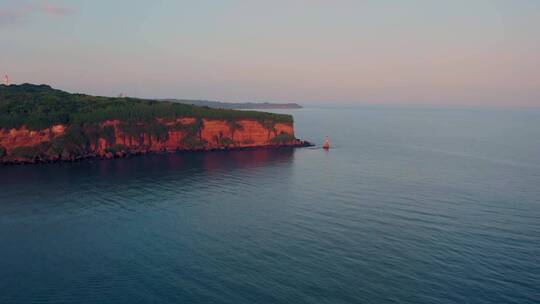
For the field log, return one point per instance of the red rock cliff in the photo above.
(23, 145)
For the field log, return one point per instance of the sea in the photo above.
(412, 204)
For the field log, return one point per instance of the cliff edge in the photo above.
(41, 124)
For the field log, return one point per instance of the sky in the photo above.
(434, 52)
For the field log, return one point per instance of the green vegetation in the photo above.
(282, 138)
(26, 152)
(40, 106)
(237, 105)
(269, 125)
(234, 126)
(116, 148)
(46, 150)
(193, 142)
(193, 129)
(223, 141)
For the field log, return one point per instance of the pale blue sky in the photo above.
(310, 51)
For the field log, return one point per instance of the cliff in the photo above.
(36, 127)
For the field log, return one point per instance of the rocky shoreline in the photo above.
(136, 153)
(39, 124)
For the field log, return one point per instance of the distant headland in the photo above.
(42, 124)
(237, 105)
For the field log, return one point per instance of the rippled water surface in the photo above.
(413, 205)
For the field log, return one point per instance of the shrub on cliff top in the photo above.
(39, 107)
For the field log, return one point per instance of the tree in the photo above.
(234, 126)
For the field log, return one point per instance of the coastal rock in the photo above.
(26, 146)
(42, 124)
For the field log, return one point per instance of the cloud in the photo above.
(15, 13)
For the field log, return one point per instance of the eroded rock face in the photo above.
(187, 133)
(10, 139)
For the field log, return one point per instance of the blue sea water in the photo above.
(412, 205)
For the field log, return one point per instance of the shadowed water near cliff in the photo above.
(413, 205)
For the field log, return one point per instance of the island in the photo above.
(237, 105)
(42, 124)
